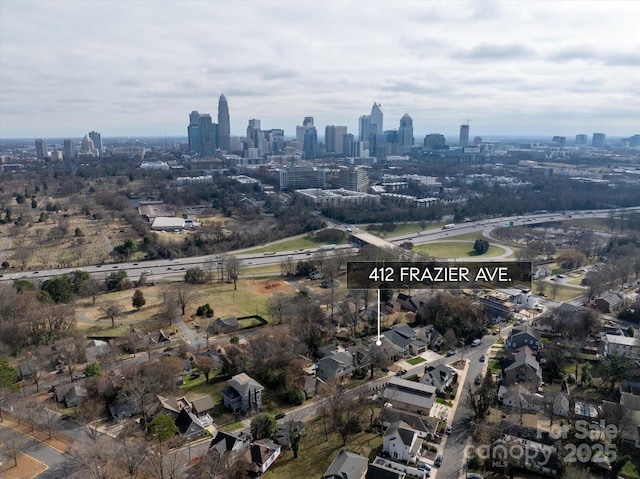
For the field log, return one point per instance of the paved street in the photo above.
(57, 464)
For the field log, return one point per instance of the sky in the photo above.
(137, 68)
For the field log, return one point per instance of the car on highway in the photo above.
(438, 461)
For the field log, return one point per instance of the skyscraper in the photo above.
(97, 142)
(41, 148)
(598, 140)
(354, 179)
(582, 139)
(310, 148)
(375, 120)
(253, 130)
(464, 135)
(202, 134)
(333, 138)
(405, 134)
(68, 149)
(364, 127)
(224, 124)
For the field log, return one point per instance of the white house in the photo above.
(402, 442)
(622, 345)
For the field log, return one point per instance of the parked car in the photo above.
(482, 358)
(451, 352)
(78, 376)
(473, 475)
(475, 342)
(280, 415)
(478, 380)
(438, 461)
(448, 430)
(402, 372)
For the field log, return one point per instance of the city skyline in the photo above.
(512, 68)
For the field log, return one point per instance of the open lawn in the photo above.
(250, 297)
(562, 292)
(317, 451)
(455, 250)
(300, 242)
(416, 360)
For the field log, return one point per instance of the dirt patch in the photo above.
(27, 468)
(271, 286)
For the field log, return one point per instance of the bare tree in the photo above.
(111, 310)
(183, 295)
(232, 267)
(92, 287)
(93, 460)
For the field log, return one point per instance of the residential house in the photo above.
(227, 442)
(72, 394)
(430, 335)
(541, 271)
(224, 325)
(171, 406)
(523, 336)
(410, 396)
(122, 408)
(498, 304)
(622, 346)
(425, 426)
(404, 340)
(407, 303)
(191, 426)
(96, 350)
(520, 398)
(524, 370)
(441, 377)
(347, 465)
(402, 442)
(393, 306)
(202, 405)
(243, 394)
(261, 455)
(540, 453)
(559, 402)
(609, 302)
(630, 402)
(338, 365)
(283, 434)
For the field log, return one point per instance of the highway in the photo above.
(157, 269)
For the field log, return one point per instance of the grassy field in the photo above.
(416, 360)
(288, 245)
(455, 250)
(250, 298)
(562, 292)
(318, 451)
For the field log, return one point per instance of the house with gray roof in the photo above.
(609, 302)
(243, 394)
(441, 377)
(524, 370)
(523, 336)
(409, 396)
(347, 465)
(226, 442)
(337, 365)
(404, 340)
(402, 443)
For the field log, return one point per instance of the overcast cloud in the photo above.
(139, 67)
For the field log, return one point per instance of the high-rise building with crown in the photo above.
(224, 124)
(375, 120)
